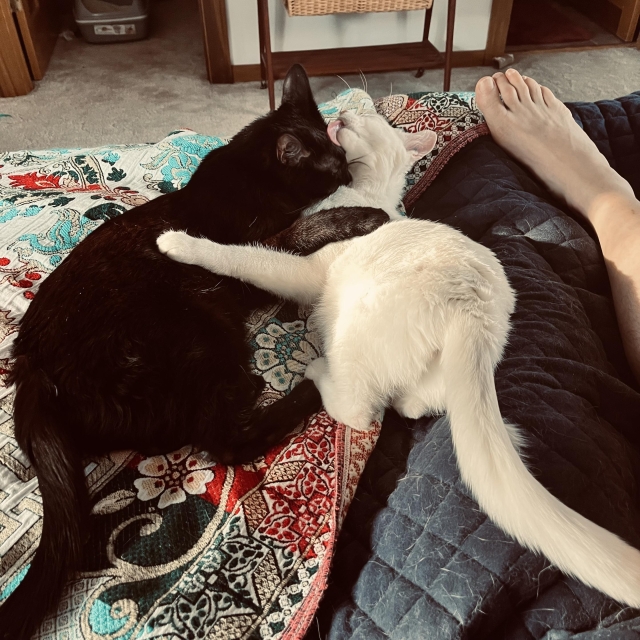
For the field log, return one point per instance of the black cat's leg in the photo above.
(261, 428)
(310, 233)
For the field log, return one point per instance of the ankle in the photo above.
(615, 215)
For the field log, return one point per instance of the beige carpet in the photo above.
(139, 91)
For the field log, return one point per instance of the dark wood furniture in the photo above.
(28, 34)
(15, 79)
(392, 57)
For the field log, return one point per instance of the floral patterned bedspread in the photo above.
(181, 547)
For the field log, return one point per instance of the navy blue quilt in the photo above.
(417, 559)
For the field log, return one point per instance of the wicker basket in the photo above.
(323, 7)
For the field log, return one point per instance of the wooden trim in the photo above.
(588, 47)
(474, 58)
(246, 72)
(251, 72)
(39, 23)
(14, 72)
(498, 29)
(216, 41)
(628, 20)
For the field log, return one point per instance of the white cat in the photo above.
(377, 179)
(417, 315)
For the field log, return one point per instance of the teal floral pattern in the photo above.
(177, 159)
(282, 351)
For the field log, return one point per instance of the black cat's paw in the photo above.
(352, 222)
(310, 233)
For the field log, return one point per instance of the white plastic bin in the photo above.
(112, 20)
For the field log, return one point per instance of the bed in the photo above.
(330, 534)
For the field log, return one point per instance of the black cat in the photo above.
(123, 348)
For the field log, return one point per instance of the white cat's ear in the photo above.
(419, 143)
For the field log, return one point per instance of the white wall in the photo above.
(352, 30)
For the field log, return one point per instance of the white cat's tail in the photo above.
(506, 490)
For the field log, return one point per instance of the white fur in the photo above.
(417, 315)
(379, 157)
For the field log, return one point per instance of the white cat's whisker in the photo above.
(364, 82)
(343, 80)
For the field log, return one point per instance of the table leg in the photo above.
(451, 17)
(425, 35)
(265, 49)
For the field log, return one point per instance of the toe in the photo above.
(535, 90)
(518, 83)
(507, 91)
(488, 96)
(549, 98)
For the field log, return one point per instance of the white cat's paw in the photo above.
(178, 246)
(316, 370)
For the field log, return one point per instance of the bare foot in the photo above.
(536, 128)
(529, 122)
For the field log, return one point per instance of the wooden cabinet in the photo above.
(28, 34)
(629, 14)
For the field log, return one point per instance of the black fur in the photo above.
(123, 348)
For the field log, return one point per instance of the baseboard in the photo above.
(246, 72)
(569, 49)
(251, 72)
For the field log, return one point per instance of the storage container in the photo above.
(323, 7)
(112, 20)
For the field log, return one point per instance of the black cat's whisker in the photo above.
(290, 213)
(245, 372)
(251, 225)
(214, 288)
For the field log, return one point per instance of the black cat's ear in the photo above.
(290, 150)
(296, 88)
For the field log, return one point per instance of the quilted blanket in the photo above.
(417, 559)
(181, 547)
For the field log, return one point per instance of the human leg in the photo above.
(529, 122)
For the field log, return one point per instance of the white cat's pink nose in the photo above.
(332, 131)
